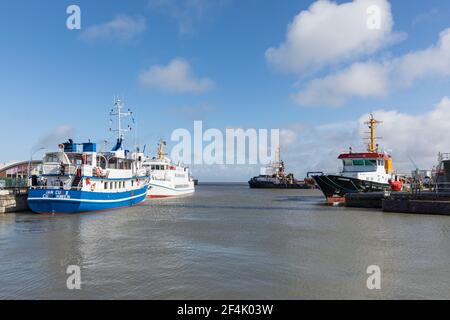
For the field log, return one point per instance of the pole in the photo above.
(31, 160)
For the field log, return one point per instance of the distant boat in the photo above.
(77, 178)
(167, 179)
(362, 172)
(274, 177)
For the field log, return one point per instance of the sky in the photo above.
(313, 69)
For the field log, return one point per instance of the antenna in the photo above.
(135, 138)
(117, 111)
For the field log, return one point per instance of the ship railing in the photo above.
(439, 188)
(70, 169)
(55, 188)
(314, 173)
(444, 156)
(98, 172)
(63, 170)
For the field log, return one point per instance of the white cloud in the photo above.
(316, 148)
(434, 61)
(361, 79)
(328, 32)
(376, 79)
(122, 28)
(419, 136)
(187, 13)
(176, 77)
(287, 137)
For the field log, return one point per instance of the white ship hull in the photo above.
(166, 178)
(167, 189)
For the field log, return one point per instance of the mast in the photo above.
(372, 147)
(161, 145)
(117, 111)
(277, 157)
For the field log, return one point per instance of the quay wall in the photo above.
(13, 201)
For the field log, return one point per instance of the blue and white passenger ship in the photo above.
(77, 178)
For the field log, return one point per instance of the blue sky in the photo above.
(56, 80)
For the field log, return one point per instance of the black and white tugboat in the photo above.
(274, 177)
(369, 171)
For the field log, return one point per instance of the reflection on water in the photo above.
(226, 242)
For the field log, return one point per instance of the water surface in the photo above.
(226, 242)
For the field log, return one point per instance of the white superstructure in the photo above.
(166, 178)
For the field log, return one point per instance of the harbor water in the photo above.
(226, 242)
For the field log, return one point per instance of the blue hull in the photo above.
(72, 201)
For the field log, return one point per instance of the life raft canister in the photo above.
(396, 185)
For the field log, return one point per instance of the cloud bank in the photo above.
(328, 33)
(377, 79)
(176, 77)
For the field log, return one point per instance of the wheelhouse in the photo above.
(366, 162)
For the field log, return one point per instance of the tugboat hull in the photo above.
(270, 185)
(335, 186)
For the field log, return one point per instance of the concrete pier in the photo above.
(13, 200)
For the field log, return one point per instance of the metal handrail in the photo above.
(55, 188)
(444, 156)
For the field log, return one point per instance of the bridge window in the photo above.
(358, 162)
(51, 158)
(348, 162)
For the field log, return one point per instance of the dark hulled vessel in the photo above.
(370, 171)
(274, 177)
